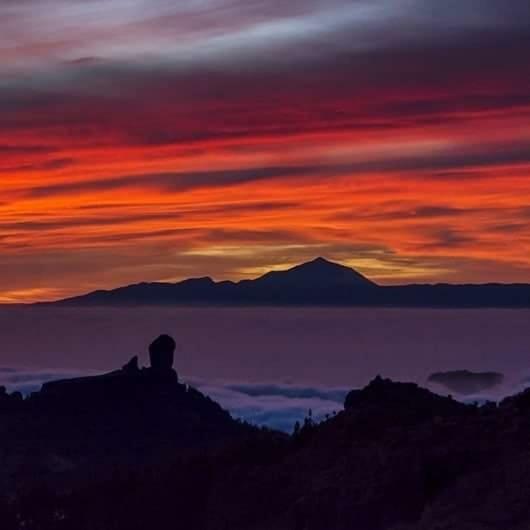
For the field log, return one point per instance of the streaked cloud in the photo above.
(145, 140)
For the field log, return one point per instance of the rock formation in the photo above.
(161, 353)
(131, 367)
(127, 417)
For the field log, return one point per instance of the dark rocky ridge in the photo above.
(89, 426)
(397, 458)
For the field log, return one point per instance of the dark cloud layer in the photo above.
(472, 156)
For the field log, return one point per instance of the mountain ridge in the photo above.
(317, 282)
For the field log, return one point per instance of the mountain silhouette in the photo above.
(317, 273)
(317, 282)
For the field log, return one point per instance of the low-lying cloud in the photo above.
(28, 380)
(277, 406)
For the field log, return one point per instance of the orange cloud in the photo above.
(411, 163)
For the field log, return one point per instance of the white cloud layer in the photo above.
(274, 405)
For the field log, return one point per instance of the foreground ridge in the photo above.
(136, 449)
(78, 428)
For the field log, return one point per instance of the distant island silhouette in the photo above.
(318, 282)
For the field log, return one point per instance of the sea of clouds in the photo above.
(27, 380)
(274, 405)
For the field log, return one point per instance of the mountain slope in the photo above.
(318, 282)
(396, 458)
(317, 273)
(76, 429)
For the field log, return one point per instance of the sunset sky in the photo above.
(145, 140)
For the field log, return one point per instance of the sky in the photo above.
(154, 140)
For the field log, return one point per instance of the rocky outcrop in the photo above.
(401, 402)
(127, 418)
(398, 456)
(161, 353)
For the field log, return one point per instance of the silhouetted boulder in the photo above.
(161, 353)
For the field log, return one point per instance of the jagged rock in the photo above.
(161, 353)
(127, 417)
(132, 366)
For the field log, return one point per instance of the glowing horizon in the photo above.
(140, 141)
